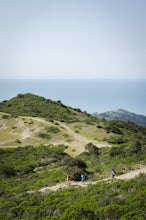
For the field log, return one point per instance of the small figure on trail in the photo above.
(68, 178)
(82, 177)
(113, 173)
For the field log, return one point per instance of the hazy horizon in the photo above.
(78, 39)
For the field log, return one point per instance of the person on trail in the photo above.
(113, 173)
(68, 178)
(82, 177)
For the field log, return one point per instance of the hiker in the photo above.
(82, 177)
(113, 173)
(68, 178)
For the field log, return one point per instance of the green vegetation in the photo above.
(29, 168)
(36, 106)
(52, 129)
(35, 126)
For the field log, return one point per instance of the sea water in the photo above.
(98, 95)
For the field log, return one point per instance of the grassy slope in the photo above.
(36, 106)
(22, 131)
(34, 120)
(30, 168)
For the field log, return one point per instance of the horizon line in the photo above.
(73, 78)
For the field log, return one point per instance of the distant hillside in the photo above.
(36, 106)
(122, 114)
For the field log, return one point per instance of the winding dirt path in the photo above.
(59, 186)
(78, 140)
(78, 137)
(77, 143)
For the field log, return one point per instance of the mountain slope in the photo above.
(36, 131)
(122, 114)
(33, 120)
(36, 106)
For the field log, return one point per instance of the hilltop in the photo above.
(36, 106)
(28, 119)
(122, 114)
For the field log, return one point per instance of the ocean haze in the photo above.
(97, 95)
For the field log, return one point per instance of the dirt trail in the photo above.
(79, 141)
(59, 186)
(78, 138)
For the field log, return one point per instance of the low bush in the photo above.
(92, 149)
(115, 140)
(114, 151)
(52, 129)
(8, 171)
(44, 135)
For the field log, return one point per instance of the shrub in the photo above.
(92, 149)
(113, 128)
(18, 141)
(114, 151)
(71, 162)
(78, 212)
(27, 169)
(44, 135)
(115, 140)
(52, 129)
(20, 95)
(114, 211)
(98, 126)
(5, 116)
(14, 127)
(8, 171)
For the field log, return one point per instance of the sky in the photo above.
(72, 39)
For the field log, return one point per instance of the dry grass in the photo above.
(22, 131)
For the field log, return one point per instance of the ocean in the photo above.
(98, 95)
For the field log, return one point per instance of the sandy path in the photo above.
(78, 141)
(79, 138)
(131, 174)
(59, 186)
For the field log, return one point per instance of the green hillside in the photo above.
(24, 171)
(36, 106)
(42, 140)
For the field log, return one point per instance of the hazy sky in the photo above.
(72, 39)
